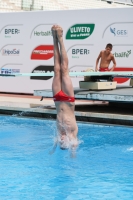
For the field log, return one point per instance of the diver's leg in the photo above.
(56, 85)
(66, 83)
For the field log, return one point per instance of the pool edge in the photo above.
(91, 117)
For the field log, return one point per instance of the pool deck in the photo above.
(85, 110)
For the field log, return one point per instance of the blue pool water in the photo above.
(101, 170)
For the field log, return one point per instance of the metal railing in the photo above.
(125, 2)
(31, 5)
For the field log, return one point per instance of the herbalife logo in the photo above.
(7, 52)
(122, 54)
(119, 32)
(41, 33)
(80, 31)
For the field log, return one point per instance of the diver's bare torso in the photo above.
(66, 122)
(105, 59)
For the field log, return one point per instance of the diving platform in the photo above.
(89, 90)
(125, 74)
(120, 94)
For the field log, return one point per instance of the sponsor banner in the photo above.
(42, 69)
(9, 71)
(11, 31)
(123, 55)
(85, 36)
(10, 52)
(81, 54)
(76, 53)
(122, 69)
(119, 31)
(42, 31)
(43, 52)
(80, 31)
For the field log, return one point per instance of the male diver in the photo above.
(63, 94)
(106, 57)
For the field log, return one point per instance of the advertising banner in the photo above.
(26, 44)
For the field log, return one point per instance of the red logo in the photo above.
(122, 69)
(43, 52)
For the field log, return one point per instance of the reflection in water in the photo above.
(130, 149)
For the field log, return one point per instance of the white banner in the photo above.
(26, 43)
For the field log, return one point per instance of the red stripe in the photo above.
(122, 69)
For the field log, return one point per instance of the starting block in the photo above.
(98, 83)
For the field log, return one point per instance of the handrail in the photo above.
(124, 2)
(114, 74)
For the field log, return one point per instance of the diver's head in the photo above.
(64, 142)
(67, 143)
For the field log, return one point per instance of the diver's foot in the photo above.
(59, 32)
(54, 32)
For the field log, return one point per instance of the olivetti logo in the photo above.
(122, 54)
(80, 31)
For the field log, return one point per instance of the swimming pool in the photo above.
(101, 170)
